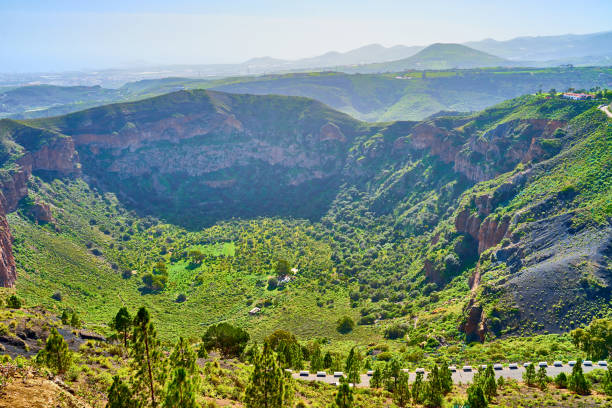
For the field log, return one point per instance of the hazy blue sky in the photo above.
(41, 35)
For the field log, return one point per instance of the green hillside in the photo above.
(371, 97)
(404, 217)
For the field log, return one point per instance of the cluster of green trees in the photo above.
(156, 280)
(595, 339)
(533, 378)
(429, 392)
(575, 382)
(269, 385)
(71, 318)
(154, 379)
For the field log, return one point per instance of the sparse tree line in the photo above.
(159, 379)
(428, 392)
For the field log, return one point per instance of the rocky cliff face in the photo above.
(57, 155)
(8, 273)
(232, 154)
(474, 325)
(474, 219)
(481, 156)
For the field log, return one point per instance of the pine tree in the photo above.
(148, 365)
(433, 389)
(446, 379)
(391, 373)
(183, 356)
(401, 394)
(376, 380)
(119, 395)
(267, 383)
(417, 389)
(181, 391)
(529, 376)
(65, 317)
(352, 367)
(122, 323)
(489, 386)
(476, 398)
(316, 361)
(56, 354)
(344, 397)
(607, 383)
(295, 356)
(576, 381)
(327, 360)
(542, 379)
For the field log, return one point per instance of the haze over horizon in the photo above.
(69, 35)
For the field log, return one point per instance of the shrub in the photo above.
(57, 296)
(396, 331)
(365, 320)
(14, 302)
(561, 380)
(272, 283)
(65, 317)
(384, 356)
(345, 325)
(229, 340)
(75, 321)
(56, 354)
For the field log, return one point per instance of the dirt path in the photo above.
(37, 393)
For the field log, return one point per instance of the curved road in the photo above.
(606, 110)
(459, 376)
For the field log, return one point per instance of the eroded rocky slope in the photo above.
(479, 190)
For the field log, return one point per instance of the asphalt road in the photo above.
(606, 110)
(459, 376)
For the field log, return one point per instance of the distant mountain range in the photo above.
(439, 56)
(552, 49)
(549, 48)
(363, 55)
(580, 50)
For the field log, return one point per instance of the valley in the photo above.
(215, 204)
(118, 198)
(359, 226)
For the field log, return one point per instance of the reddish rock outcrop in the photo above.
(468, 223)
(438, 141)
(491, 232)
(474, 325)
(488, 232)
(331, 131)
(41, 212)
(58, 156)
(482, 157)
(431, 273)
(8, 272)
